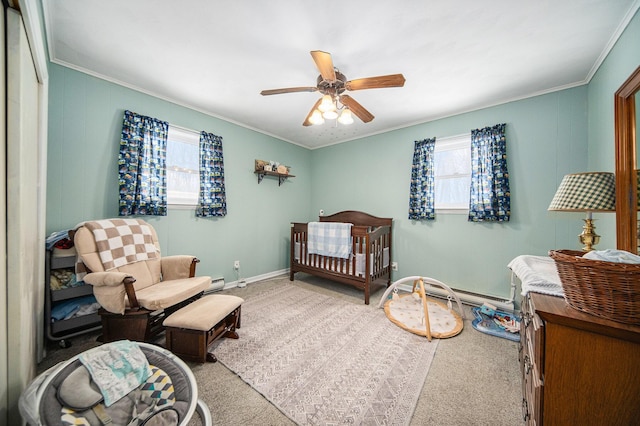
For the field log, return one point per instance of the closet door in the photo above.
(25, 294)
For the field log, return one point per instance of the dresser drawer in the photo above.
(535, 390)
(532, 330)
(531, 362)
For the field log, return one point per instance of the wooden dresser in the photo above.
(577, 369)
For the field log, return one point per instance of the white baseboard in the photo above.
(466, 297)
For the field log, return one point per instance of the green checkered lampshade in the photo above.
(586, 192)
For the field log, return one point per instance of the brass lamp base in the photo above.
(589, 237)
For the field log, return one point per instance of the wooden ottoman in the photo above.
(191, 330)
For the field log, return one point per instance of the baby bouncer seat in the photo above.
(71, 393)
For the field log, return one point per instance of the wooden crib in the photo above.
(371, 251)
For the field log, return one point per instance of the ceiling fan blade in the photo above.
(325, 64)
(356, 108)
(288, 90)
(392, 80)
(306, 120)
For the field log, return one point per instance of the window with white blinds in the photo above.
(183, 182)
(452, 162)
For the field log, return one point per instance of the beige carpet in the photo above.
(323, 360)
(474, 378)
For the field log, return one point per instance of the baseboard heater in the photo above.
(217, 284)
(474, 299)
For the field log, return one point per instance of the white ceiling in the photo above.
(216, 56)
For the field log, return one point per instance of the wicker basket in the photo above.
(606, 289)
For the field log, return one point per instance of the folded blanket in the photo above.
(122, 241)
(611, 255)
(537, 274)
(117, 368)
(66, 309)
(55, 237)
(329, 239)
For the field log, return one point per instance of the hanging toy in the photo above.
(395, 297)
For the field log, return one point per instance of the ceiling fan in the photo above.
(332, 84)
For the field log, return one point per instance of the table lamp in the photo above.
(586, 192)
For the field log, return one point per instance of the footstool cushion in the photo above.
(191, 330)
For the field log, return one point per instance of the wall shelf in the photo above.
(281, 176)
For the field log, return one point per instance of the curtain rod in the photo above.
(186, 129)
(444, 138)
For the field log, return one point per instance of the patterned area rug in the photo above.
(322, 360)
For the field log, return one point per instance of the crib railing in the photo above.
(370, 260)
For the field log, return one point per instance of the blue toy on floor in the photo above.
(496, 323)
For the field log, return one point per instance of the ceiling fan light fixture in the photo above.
(316, 118)
(327, 104)
(332, 84)
(330, 115)
(346, 117)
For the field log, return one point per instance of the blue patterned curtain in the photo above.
(142, 165)
(213, 199)
(421, 194)
(490, 199)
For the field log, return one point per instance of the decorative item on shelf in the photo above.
(272, 168)
(586, 192)
(259, 164)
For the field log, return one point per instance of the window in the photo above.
(183, 151)
(452, 169)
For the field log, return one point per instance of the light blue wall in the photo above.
(622, 60)
(548, 136)
(85, 119)
(546, 139)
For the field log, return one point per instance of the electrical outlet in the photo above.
(236, 264)
(394, 266)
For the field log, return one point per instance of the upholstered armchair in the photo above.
(135, 286)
